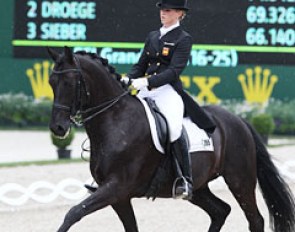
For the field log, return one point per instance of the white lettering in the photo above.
(120, 57)
(68, 10)
(63, 31)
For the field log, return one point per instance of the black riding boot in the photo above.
(183, 184)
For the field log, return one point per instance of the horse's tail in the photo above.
(275, 191)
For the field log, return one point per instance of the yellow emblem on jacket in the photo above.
(165, 51)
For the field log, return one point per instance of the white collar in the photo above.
(165, 30)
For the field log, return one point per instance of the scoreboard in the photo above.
(226, 33)
(260, 31)
(90, 24)
(232, 40)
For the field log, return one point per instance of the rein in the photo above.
(77, 117)
(102, 108)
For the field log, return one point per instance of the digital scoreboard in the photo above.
(91, 24)
(261, 31)
(242, 49)
(226, 33)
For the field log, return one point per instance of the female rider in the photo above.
(157, 76)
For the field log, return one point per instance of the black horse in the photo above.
(124, 160)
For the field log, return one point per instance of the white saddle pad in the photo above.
(198, 138)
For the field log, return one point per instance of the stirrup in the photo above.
(186, 194)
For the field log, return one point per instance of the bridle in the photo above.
(76, 112)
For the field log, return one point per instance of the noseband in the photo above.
(76, 113)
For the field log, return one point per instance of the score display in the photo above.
(53, 20)
(274, 25)
(225, 33)
(60, 10)
(261, 31)
(87, 23)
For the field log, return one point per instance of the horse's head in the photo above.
(65, 81)
(82, 83)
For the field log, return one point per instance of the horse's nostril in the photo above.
(60, 128)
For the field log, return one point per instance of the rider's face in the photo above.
(170, 16)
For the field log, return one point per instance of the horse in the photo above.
(124, 160)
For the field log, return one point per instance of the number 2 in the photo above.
(32, 10)
(222, 58)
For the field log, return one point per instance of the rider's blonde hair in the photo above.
(183, 15)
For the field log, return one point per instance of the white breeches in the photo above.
(170, 104)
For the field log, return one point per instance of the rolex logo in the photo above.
(39, 76)
(257, 84)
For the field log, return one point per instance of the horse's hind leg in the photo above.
(125, 212)
(217, 209)
(244, 192)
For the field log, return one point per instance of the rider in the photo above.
(157, 76)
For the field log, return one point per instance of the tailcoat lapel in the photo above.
(155, 42)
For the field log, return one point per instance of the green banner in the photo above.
(253, 83)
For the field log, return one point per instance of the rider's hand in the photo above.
(140, 83)
(125, 80)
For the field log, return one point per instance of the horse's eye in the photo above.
(68, 82)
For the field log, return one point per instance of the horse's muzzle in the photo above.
(60, 130)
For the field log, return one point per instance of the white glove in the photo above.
(125, 80)
(140, 83)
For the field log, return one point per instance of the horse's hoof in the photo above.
(90, 188)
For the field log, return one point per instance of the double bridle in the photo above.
(76, 113)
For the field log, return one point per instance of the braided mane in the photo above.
(104, 62)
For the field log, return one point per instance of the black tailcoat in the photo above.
(163, 60)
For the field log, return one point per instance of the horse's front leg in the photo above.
(125, 212)
(105, 195)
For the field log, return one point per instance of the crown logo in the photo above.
(257, 84)
(39, 77)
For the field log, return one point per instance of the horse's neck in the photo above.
(102, 87)
(116, 120)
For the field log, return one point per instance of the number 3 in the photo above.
(31, 30)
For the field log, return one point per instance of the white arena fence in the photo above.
(42, 192)
(15, 194)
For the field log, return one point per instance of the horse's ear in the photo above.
(69, 54)
(53, 54)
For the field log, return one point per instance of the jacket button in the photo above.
(158, 64)
(155, 73)
(147, 53)
(157, 54)
(149, 64)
